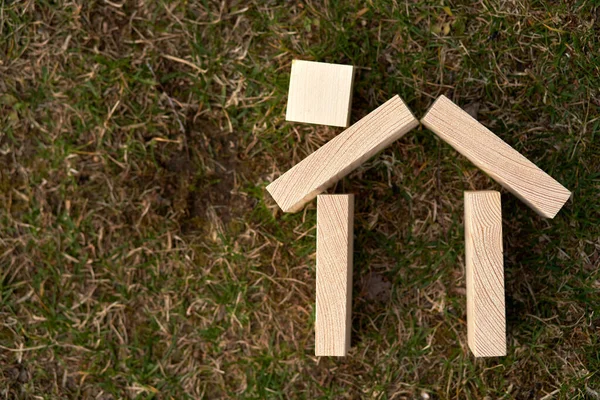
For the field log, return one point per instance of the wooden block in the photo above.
(495, 157)
(335, 230)
(342, 154)
(486, 316)
(320, 93)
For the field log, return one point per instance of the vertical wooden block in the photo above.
(496, 158)
(320, 93)
(342, 154)
(335, 227)
(486, 316)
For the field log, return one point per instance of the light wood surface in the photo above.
(342, 154)
(486, 316)
(495, 157)
(320, 93)
(335, 230)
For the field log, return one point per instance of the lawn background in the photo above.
(141, 257)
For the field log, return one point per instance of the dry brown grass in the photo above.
(142, 258)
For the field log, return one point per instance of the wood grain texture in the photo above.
(495, 157)
(335, 230)
(320, 93)
(486, 316)
(342, 154)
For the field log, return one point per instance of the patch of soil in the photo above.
(203, 175)
(375, 287)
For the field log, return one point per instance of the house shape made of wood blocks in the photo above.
(365, 138)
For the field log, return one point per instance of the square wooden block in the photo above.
(320, 93)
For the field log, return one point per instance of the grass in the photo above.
(141, 256)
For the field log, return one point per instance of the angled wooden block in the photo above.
(335, 230)
(320, 93)
(495, 157)
(342, 154)
(486, 316)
